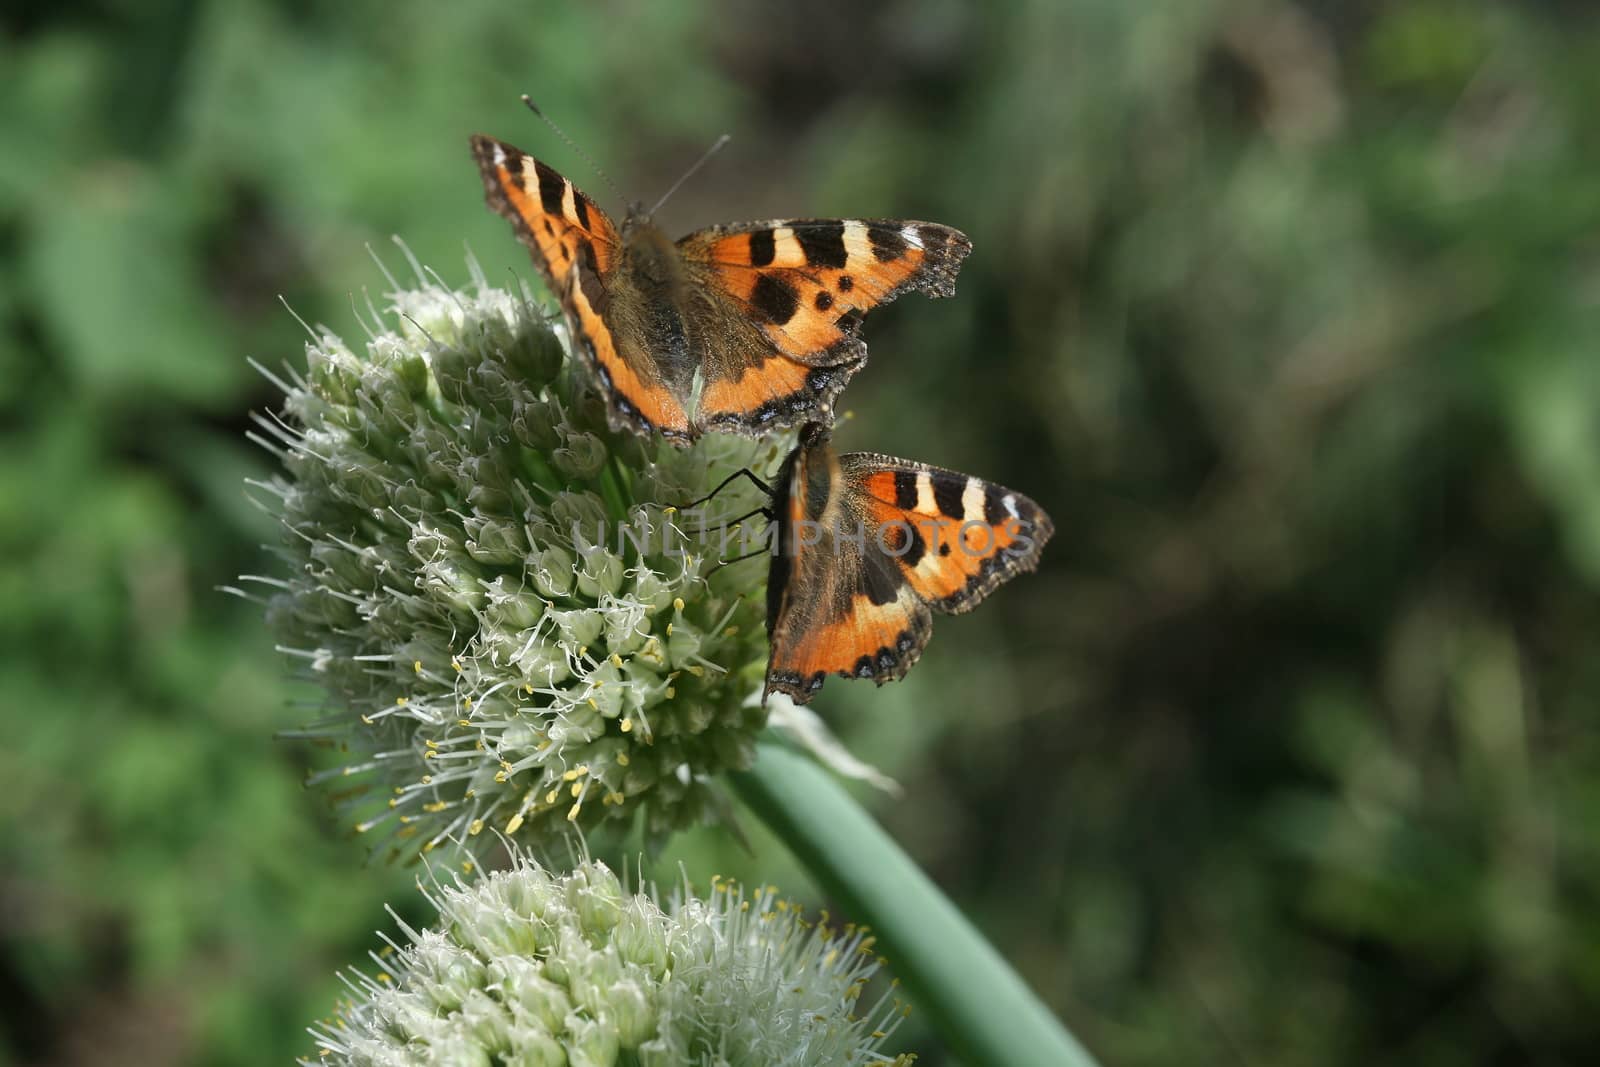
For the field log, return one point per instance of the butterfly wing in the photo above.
(835, 605)
(778, 306)
(954, 538)
(861, 606)
(577, 250)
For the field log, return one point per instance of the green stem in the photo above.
(965, 989)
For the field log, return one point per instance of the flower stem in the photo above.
(970, 995)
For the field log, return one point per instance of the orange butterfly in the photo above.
(743, 328)
(868, 547)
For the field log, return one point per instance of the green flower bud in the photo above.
(614, 977)
(581, 456)
(515, 630)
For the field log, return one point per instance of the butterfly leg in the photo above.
(728, 526)
(766, 512)
(742, 472)
(762, 551)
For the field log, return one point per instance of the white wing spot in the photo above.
(972, 501)
(855, 237)
(911, 236)
(569, 204)
(925, 502)
(1010, 502)
(786, 248)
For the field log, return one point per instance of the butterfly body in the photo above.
(742, 328)
(868, 548)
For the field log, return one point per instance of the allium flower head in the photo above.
(514, 629)
(530, 968)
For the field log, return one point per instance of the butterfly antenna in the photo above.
(702, 161)
(548, 121)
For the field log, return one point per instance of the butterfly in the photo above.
(745, 328)
(868, 547)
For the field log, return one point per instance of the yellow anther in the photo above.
(583, 650)
(527, 687)
(627, 725)
(730, 631)
(669, 510)
(672, 691)
(677, 603)
(550, 797)
(593, 705)
(501, 776)
(669, 629)
(456, 664)
(416, 665)
(401, 702)
(572, 812)
(696, 670)
(515, 824)
(616, 660)
(622, 759)
(476, 828)
(436, 807)
(466, 867)
(463, 722)
(366, 720)
(466, 702)
(577, 788)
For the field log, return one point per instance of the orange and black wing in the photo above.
(843, 613)
(577, 250)
(952, 537)
(869, 547)
(836, 604)
(780, 304)
(922, 540)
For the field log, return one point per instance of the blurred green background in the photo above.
(1287, 312)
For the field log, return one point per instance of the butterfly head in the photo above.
(638, 217)
(652, 255)
(815, 435)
